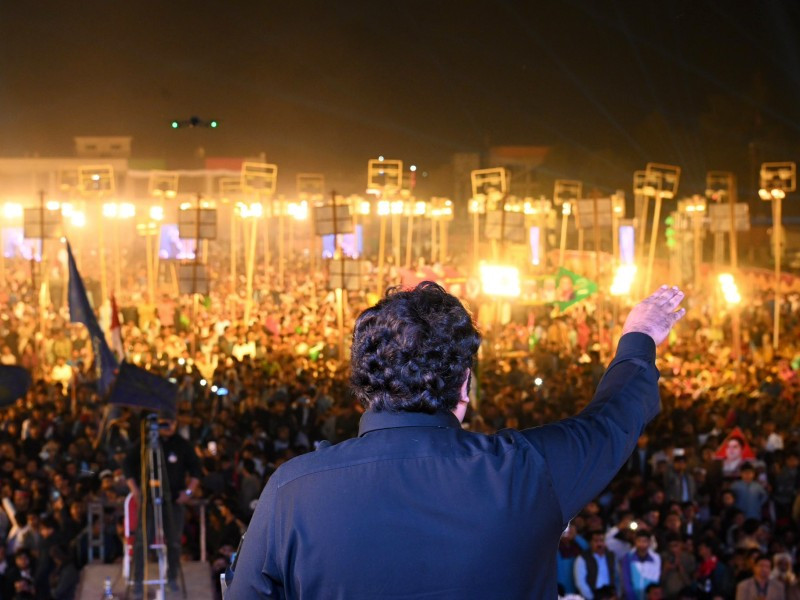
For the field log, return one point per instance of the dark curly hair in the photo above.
(411, 351)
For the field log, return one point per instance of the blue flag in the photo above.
(14, 384)
(140, 388)
(81, 312)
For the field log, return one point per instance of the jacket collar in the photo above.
(372, 421)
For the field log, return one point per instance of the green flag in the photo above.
(571, 288)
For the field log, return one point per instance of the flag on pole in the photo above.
(81, 312)
(142, 389)
(116, 331)
(571, 288)
(14, 384)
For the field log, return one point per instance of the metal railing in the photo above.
(97, 513)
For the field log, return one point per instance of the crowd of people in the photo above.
(705, 507)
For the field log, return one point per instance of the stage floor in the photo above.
(196, 574)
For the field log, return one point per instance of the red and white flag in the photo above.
(116, 331)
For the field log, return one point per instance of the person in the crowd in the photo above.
(760, 586)
(750, 494)
(677, 566)
(569, 548)
(639, 568)
(64, 577)
(713, 577)
(679, 484)
(595, 567)
(782, 571)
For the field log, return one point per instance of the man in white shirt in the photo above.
(639, 568)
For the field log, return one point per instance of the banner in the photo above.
(14, 384)
(571, 288)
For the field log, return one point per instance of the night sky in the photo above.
(323, 86)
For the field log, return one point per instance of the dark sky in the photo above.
(323, 86)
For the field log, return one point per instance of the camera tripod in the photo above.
(158, 492)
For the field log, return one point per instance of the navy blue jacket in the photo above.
(417, 507)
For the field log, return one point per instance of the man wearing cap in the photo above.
(418, 507)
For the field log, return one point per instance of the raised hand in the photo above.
(656, 315)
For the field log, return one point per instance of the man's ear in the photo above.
(465, 387)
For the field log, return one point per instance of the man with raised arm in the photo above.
(417, 507)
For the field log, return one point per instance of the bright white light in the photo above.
(764, 194)
(78, 219)
(181, 361)
(66, 209)
(729, 289)
(110, 210)
(203, 382)
(623, 280)
(500, 281)
(157, 213)
(538, 381)
(380, 158)
(298, 210)
(52, 205)
(477, 204)
(95, 177)
(12, 210)
(362, 206)
(413, 168)
(127, 210)
(214, 388)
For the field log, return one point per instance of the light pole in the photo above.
(489, 187)
(150, 228)
(261, 180)
(384, 179)
(230, 189)
(732, 298)
(413, 208)
(695, 209)
(250, 214)
(641, 197)
(476, 207)
(777, 179)
(565, 194)
(98, 182)
(116, 212)
(440, 211)
(666, 178)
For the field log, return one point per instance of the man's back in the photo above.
(403, 504)
(418, 508)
